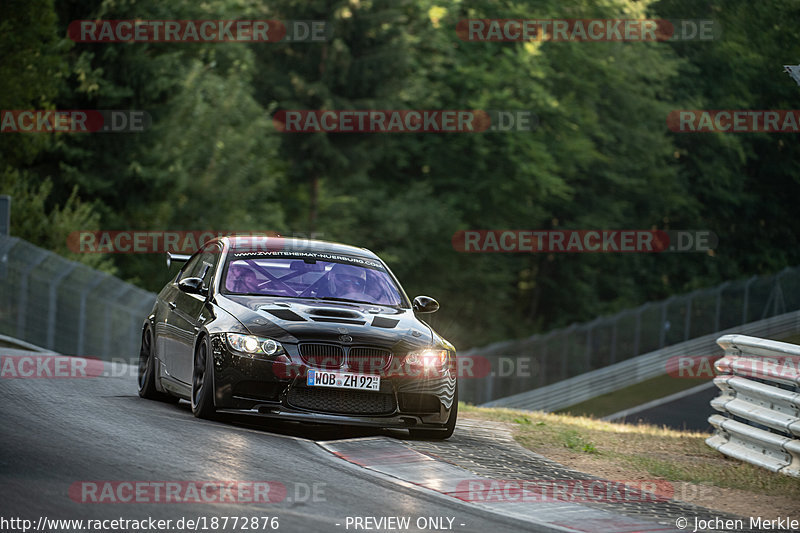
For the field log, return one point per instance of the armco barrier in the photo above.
(759, 402)
(618, 376)
(68, 307)
(568, 352)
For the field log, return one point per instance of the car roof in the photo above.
(262, 242)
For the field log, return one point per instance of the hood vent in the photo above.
(333, 312)
(339, 320)
(285, 314)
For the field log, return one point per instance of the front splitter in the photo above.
(282, 413)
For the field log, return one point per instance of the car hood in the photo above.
(293, 320)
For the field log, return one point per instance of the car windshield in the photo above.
(363, 281)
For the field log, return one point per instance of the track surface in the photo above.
(56, 432)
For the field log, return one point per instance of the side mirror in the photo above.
(425, 304)
(192, 286)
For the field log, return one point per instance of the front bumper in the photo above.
(276, 388)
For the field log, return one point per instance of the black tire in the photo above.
(203, 382)
(438, 434)
(147, 371)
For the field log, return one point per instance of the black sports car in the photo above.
(308, 331)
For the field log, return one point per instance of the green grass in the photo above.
(643, 450)
(613, 402)
(574, 441)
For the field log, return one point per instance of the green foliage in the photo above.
(31, 72)
(33, 221)
(601, 157)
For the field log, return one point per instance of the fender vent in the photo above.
(381, 322)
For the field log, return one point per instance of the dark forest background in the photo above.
(601, 158)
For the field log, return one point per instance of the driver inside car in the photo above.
(241, 279)
(348, 282)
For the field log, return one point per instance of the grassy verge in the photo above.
(648, 452)
(613, 402)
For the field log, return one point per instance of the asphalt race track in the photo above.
(58, 433)
(88, 448)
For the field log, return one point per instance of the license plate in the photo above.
(343, 380)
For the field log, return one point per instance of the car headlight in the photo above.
(252, 345)
(428, 358)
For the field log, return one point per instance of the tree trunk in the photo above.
(313, 205)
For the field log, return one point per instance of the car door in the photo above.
(188, 313)
(164, 335)
(174, 329)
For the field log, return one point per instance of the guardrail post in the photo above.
(116, 295)
(775, 295)
(489, 390)
(87, 289)
(542, 363)
(662, 335)
(687, 321)
(22, 308)
(747, 298)
(588, 354)
(53, 305)
(5, 215)
(613, 356)
(637, 336)
(6, 244)
(718, 310)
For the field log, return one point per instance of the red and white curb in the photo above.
(397, 462)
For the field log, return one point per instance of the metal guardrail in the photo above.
(68, 307)
(586, 386)
(574, 350)
(759, 402)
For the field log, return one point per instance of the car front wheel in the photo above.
(203, 382)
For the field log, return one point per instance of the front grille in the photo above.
(368, 360)
(322, 355)
(342, 401)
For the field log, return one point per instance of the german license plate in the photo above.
(343, 380)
